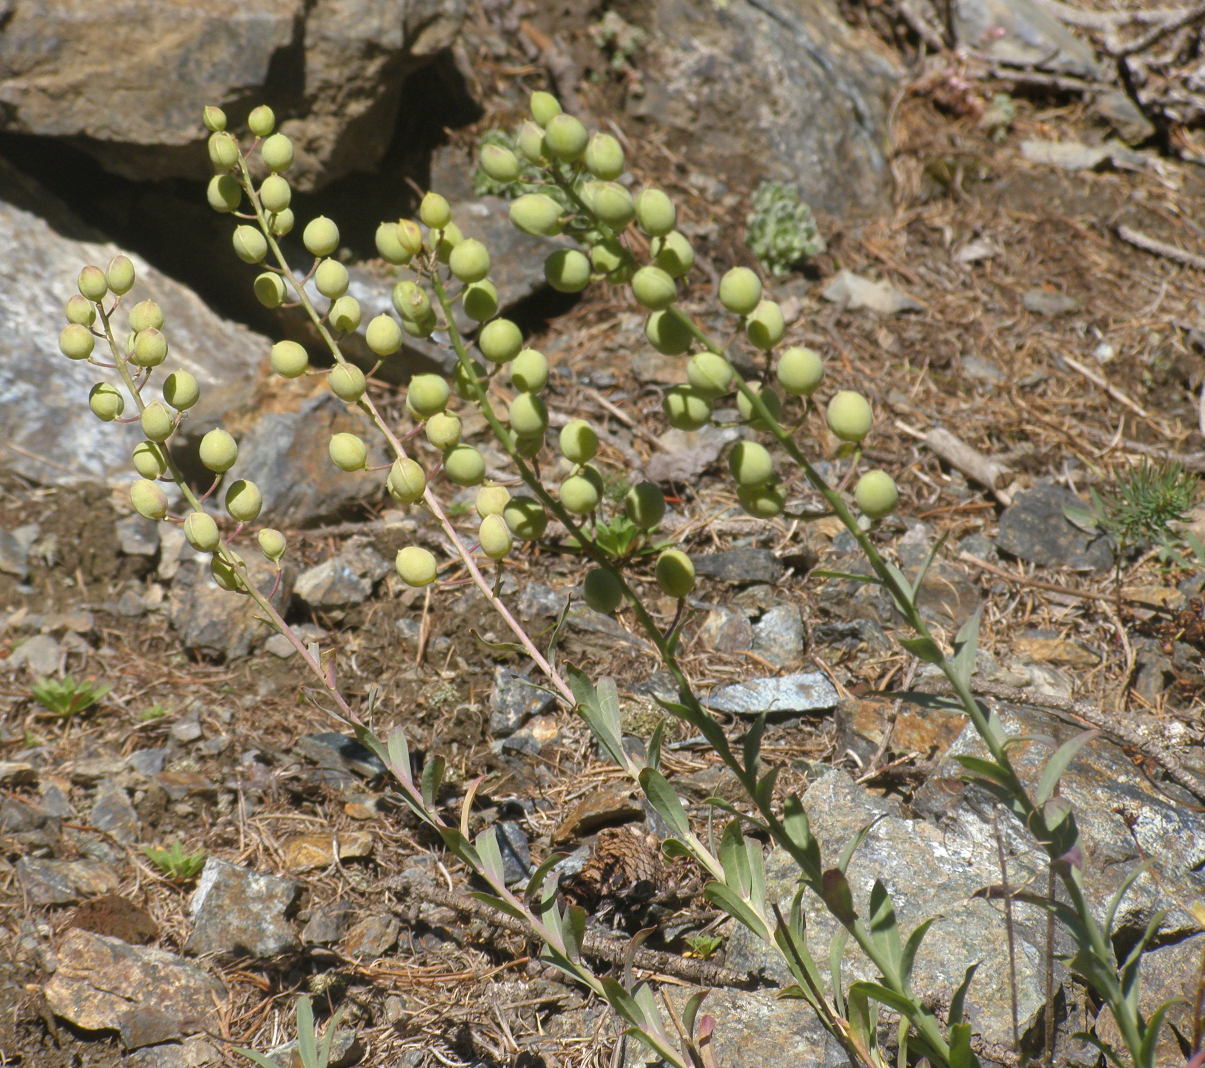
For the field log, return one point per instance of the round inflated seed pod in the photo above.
(320, 236)
(434, 211)
(668, 333)
(765, 325)
(92, 284)
(480, 300)
(271, 543)
(347, 451)
(565, 138)
(610, 258)
(331, 278)
(750, 464)
(244, 501)
(383, 336)
(201, 531)
(423, 327)
(410, 301)
(876, 494)
(544, 107)
(282, 222)
(261, 121)
(223, 150)
(578, 441)
(149, 460)
(530, 139)
(494, 537)
(491, 500)
(740, 290)
(528, 415)
(674, 255)
(275, 193)
(468, 381)
(529, 371)
(348, 382)
(250, 245)
(157, 422)
(277, 152)
(602, 590)
(644, 505)
(120, 275)
(416, 566)
(464, 465)
(106, 401)
(150, 348)
(768, 397)
(536, 214)
(427, 394)
(526, 518)
(611, 203)
(675, 573)
(800, 371)
(579, 494)
(450, 238)
(765, 501)
(218, 451)
(410, 234)
(76, 341)
(407, 481)
(148, 499)
(500, 341)
(389, 244)
(655, 212)
(849, 415)
(344, 315)
(181, 390)
(289, 359)
(146, 315)
(710, 374)
(567, 270)
(226, 575)
(214, 118)
(685, 409)
(223, 193)
(269, 289)
(469, 261)
(653, 288)
(80, 310)
(603, 157)
(500, 163)
(443, 430)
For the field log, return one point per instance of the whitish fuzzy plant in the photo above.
(560, 479)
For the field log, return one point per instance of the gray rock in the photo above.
(855, 293)
(14, 555)
(112, 812)
(63, 882)
(790, 695)
(726, 631)
(821, 92)
(514, 700)
(194, 1052)
(327, 923)
(137, 536)
(740, 566)
(41, 654)
(216, 622)
(779, 636)
(148, 762)
(338, 752)
(343, 580)
(239, 911)
(146, 995)
(1043, 302)
(1035, 528)
(372, 937)
(515, 850)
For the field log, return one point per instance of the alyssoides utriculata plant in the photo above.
(631, 241)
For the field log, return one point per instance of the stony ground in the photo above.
(1040, 336)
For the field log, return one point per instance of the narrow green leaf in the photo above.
(653, 749)
(752, 745)
(574, 930)
(665, 801)
(852, 846)
(765, 788)
(1146, 1051)
(459, 846)
(1083, 518)
(486, 844)
(399, 752)
(1058, 763)
(966, 648)
(735, 859)
(893, 999)
(723, 898)
(837, 896)
(329, 1035)
(982, 768)
(690, 1010)
(501, 904)
(432, 778)
(538, 876)
(805, 848)
(958, 1001)
(901, 580)
(960, 1047)
(927, 563)
(1115, 901)
(258, 1058)
(884, 929)
(623, 1002)
(648, 1006)
(925, 649)
(847, 576)
(599, 707)
(908, 958)
(307, 1041)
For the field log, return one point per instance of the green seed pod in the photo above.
(244, 501)
(282, 222)
(469, 261)
(464, 465)
(106, 401)
(80, 310)
(435, 211)
(150, 348)
(500, 341)
(228, 576)
(610, 203)
(655, 213)
(331, 279)
(565, 138)
(76, 341)
(500, 163)
(529, 371)
(347, 452)
(411, 302)
(578, 441)
(768, 397)
(674, 254)
(579, 494)
(410, 234)
(526, 518)
(348, 382)
(202, 532)
(320, 236)
(120, 275)
(765, 325)
(250, 245)
(740, 290)
(709, 374)
(675, 573)
(653, 288)
(423, 327)
(494, 537)
(849, 415)
(289, 359)
(443, 430)
(149, 460)
(427, 394)
(612, 259)
(261, 121)
(271, 543)
(668, 333)
(544, 107)
(536, 214)
(876, 494)
(157, 422)
(146, 315)
(415, 566)
(450, 237)
(148, 499)
(604, 157)
(527, 445)
(491, 500)
(567, 270)
(92, 284)
(213, 118)
(480, 300)
(644, 505)
(275, 193)
(223, 150)
(218, 451)
(685, 409)
(389, 244)
(383, 336)
(269, 289)
(602, 590)
(750, 464)
(765, 501)
(800, 371)
(528, 415)
(344, 315)
(407, 481)
(277, 153)
(224, 193)
(181, 390)
(467, 382)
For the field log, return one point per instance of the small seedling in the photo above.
(313, 1053)
(66, 697)
(703, 946)
(156, 711)
(175, 863)
(781, 230)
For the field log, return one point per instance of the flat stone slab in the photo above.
(805, 691)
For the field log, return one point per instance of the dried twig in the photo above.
(1144, 42)
(1160, 248)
